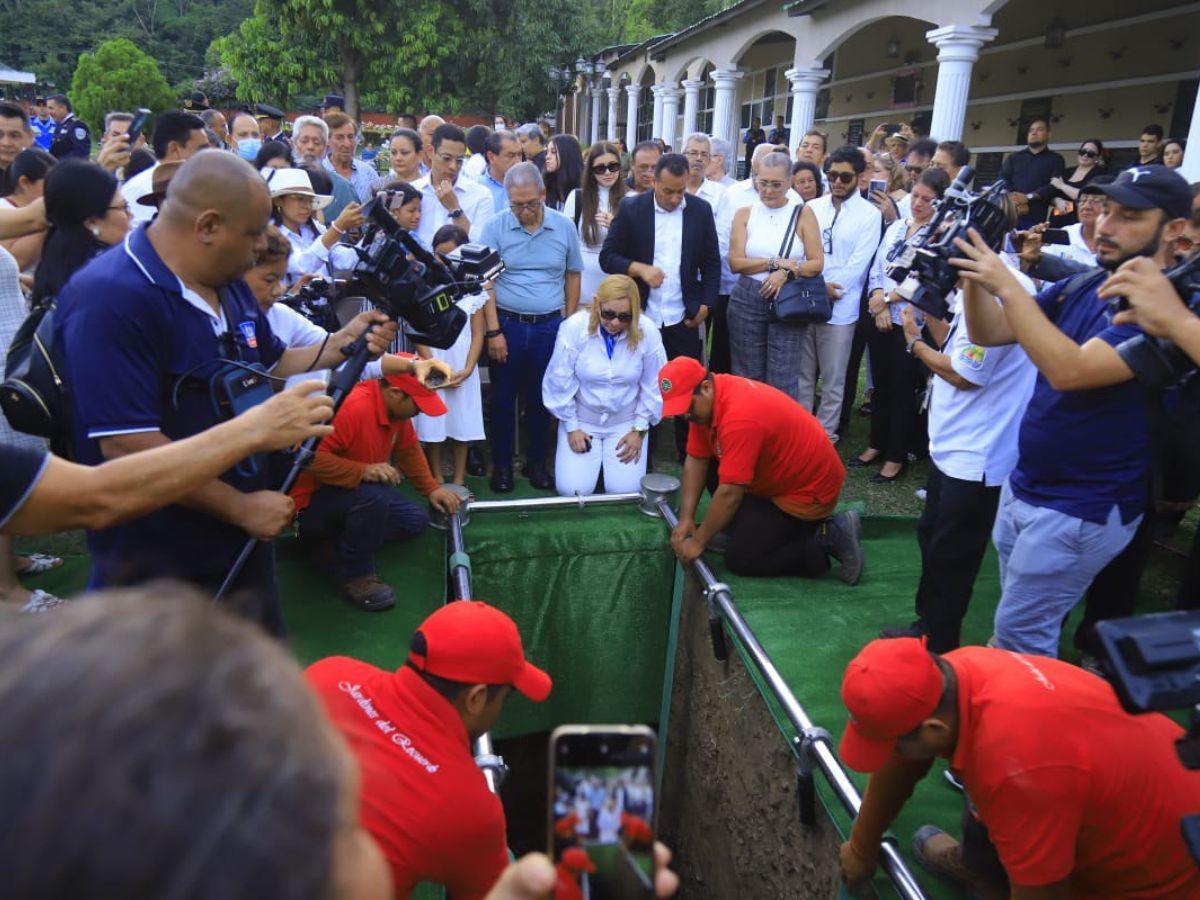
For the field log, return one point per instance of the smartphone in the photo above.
(1055, 236)
(876, 184)
(603, 808)
(136, 126)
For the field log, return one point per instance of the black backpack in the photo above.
(33, 394)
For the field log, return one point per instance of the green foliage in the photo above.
(117, 76)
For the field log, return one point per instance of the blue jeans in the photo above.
(529, 350)
(1047, 561)
(358, 522)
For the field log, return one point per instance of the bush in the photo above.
(118, 76)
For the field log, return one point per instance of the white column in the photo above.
(657, 91)
(614, 111)
(804, 81)
(958, 49)
(632, 91)
(670, 115)
(596, 92)
(691, 106)
(1191, 158)
(725, 122)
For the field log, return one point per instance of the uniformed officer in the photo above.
(196, 103)
(332, 103)
(70, 136)
(270, 122)
(41, 123)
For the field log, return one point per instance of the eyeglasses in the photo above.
(771, 185)
(914, 170)
(843, 177)
(123, 207)
(611, 168)
(1090, 154)
(301, 199)
(608, 315)
(827, 234)
(450, 160)
(696, 154)
(1090, 200)
(531, 206)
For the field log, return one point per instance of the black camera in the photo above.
(922, 263)
(1156, 362)
(397, 274)
(317, 301)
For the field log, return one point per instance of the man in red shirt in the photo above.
(1069, 795)
(423, 798)
(574, 862)
(346, 498)
(777, 479)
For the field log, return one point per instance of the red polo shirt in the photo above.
(767, 442)
(423, 798)
(1068, 783)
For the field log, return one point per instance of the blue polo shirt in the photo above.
(534, 264)
(127, 330)
(1081, 452)
(499, 195)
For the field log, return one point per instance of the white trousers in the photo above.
(578, 472)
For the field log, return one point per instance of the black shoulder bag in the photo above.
(802, 299)
(33, 394)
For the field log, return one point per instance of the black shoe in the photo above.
(368, 594)
(841, 537)
(475, 461)
(880, 478)
(902, 631)
(502, 480)
(857, 462)
(539, 477)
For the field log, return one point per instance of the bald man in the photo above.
(160, 340)
(428, 126)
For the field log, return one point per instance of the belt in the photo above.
(528, 318)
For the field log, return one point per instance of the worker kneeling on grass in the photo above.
(1067, 794)
(777, 479)
(346, 498)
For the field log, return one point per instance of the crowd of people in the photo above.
(639, 284)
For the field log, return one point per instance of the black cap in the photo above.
(334, 100)
(196, 102)
(39, 101)
(265, 111)
(1096, 185)
(1152, 187)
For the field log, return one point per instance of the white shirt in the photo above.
(854, 237)
(766, 232)
(905, 206)
(710, 191)
(973, 433)
(139, 184)
(1077, 250)
(473, 199)
(583, 386)
(664, 306)
(474, 166)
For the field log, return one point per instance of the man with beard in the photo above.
(1028, 172)
(1065, 514)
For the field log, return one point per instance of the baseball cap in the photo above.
(890, 688)
(1152, 187)
(472, 642)
(427, 401)
(677, 380)
(577, 860)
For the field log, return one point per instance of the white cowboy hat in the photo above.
(282, 182)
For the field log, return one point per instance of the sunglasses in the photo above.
(608, 315)
(1091, 154)
(843, 177)
(611, 168)
(914, 170)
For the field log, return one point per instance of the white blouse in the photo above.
(583, 386)
(311, 257)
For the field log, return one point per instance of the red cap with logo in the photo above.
(474, 643)
(677, 380)
(890, 688)
(577, 860)
(427, 401)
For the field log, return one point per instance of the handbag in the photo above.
(33, 394)
(803, 299)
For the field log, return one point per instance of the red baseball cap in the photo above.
(577, 860)
(472, 642)
(427, 401)
(677, 380)
(890, 688)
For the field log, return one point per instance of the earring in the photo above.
(96, 231)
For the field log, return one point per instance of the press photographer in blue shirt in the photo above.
(1079, 489)
(158, 338)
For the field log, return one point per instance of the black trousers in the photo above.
(718, 351)
(894, 403)
(679, 340)
(953, 535)
(979, 854)
(766, 541)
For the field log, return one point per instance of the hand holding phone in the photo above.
(136, 126)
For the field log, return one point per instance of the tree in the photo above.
(117, 76)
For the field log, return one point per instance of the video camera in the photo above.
(317, 301)
(922, 263)
(1156, 362)
(408, 282)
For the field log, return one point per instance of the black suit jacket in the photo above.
(630, 239)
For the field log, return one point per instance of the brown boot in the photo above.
(368, 593)
(941, 854)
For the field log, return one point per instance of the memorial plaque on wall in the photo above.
(987, 168)
(854, 131)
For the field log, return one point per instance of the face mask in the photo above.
(248, 148)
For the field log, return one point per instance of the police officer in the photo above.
(41, 123)
(196, 103)
(332, 103)
(70, 136)
(270, 123)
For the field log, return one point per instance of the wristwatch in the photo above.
(456, 214)
(913, 343)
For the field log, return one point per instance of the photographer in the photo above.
(155, 339)
(1064, 516)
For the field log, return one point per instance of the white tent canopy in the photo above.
(12, 76)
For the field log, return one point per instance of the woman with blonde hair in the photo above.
(602, 386)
